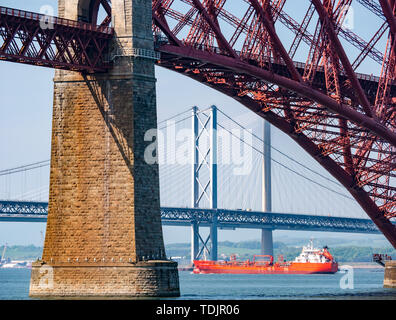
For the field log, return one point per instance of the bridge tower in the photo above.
(104, 233)
(267, 245)
(204, 177)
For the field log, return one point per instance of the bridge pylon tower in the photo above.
(104, 233)
(204, 178)
(267, 243)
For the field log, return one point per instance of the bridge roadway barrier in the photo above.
(16, 211)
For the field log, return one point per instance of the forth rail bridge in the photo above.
(104, 212)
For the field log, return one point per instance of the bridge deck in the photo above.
(14, 211)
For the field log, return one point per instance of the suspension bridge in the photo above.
(175, 171)
(104, 183)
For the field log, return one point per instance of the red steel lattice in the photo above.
(343, 119)
(36, 39)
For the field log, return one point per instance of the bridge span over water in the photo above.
(15, 211)
(104, 103)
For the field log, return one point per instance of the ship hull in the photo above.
(208, 267)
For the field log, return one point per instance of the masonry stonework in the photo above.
(104, 233)
(390, 274)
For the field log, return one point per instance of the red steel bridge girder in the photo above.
(32, 38)
(341, 129)
(343, 119)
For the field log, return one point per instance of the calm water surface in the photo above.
(14, 285)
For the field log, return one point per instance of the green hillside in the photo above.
(246, 250)
(22, 252)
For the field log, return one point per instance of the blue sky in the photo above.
(25, 129)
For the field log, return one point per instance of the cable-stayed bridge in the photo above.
(203, 156)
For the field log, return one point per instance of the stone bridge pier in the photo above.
(104, 233)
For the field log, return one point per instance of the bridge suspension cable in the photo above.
(46, 163)
(279, 151)
(175, 116)
(288, 168)
(27, 167)
(262, 142)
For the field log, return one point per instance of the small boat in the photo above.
(310, 261)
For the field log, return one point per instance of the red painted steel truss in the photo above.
(246, 50)
(345, 120)
(32, 38)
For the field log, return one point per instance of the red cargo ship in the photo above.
(310, 261)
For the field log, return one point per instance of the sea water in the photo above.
(362, 284)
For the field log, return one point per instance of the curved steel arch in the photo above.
(89, 12)
(343, 119)
(94, 9)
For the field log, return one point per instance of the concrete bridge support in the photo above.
(104, 233)
(267, 246)
(390, 275)
(194, 241)
(214, 239)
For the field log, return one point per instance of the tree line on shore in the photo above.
(243, 249)
(246, 249)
